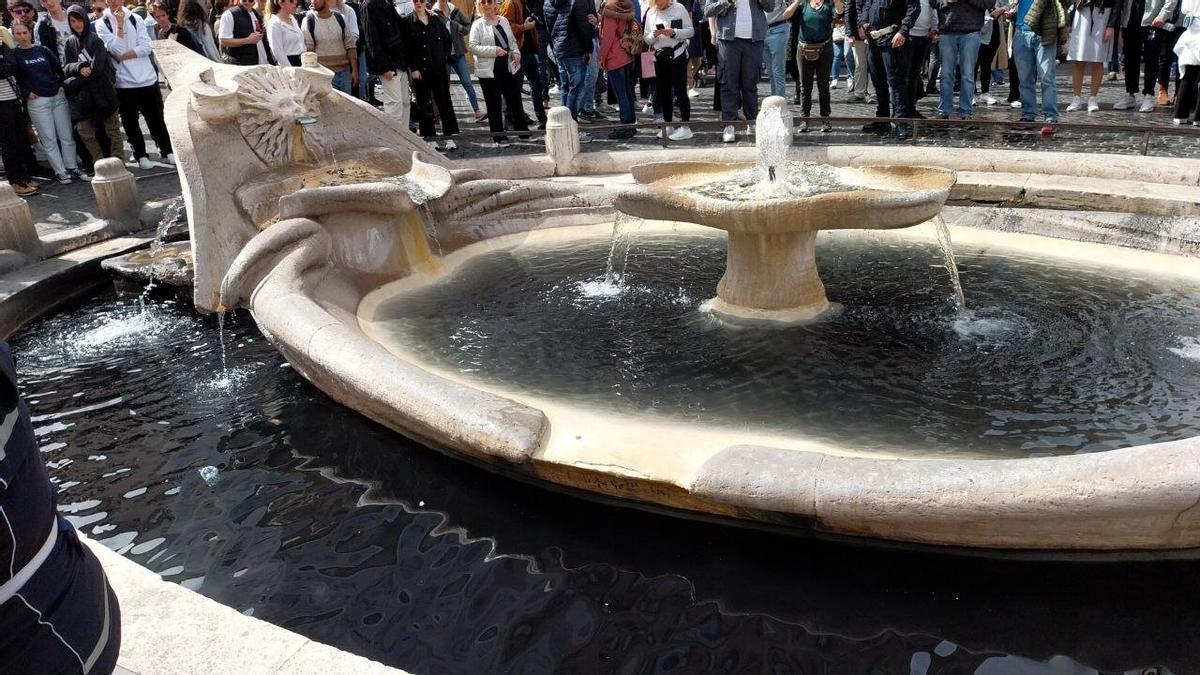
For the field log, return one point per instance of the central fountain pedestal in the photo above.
(771, 276)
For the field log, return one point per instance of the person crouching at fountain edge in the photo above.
(668, 29)
(90, 92)
(741, 29)
(884, 25)
(383, 40)
(427, 53)
(58, 613)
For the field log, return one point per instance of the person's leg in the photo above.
(618, 80)
(424, 108)
(807, 75)
(491, 100)
(459, 65)
(729, 58)
(1097, 77)
(1047, 66)
(968, 57)
(364, 76)
(862, 68)
(896, 62)
(775, 57)
(86, 130)
(850, 56)
(751, 60)
(64, 131)
(1014, 79)
(587, 95)
(1187, 94)
(128, 100)
(84, 156)
(41, 113)
(679, 67)
(1168, 58)
(12, 137)
(948, 47)
(883, 105)
(531, 68)
(1077, 78)
(824, 65)
(839, 51)
(510, 90)
(663, 88)
(150, 105)
(112, 129)
(1025, 46)
(1133, 39)
(396, 96)
(440, 86)
(1151, 48)
(983, 70)
(920, 52)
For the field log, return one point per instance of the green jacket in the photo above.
(1048, 18)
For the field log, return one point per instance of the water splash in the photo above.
(1189, 348)
(943, 235)
(624, 227)
(169, 217)
(221, 339)
(773, 142)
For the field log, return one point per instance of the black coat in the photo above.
(384, 35)
(93, 96)
(427, 46)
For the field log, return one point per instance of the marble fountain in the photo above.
(395, 280)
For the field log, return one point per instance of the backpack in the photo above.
(310, 23)
(133, 18)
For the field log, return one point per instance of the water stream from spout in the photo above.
(943, 235)
(773, 147)
(618, 252)
(221, 339)
(170, 215)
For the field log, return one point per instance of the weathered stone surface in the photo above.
(170, 265)
(17, 231)
(116, 195)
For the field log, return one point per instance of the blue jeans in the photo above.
(459, 65)
(341, 80)
(960, 58)
(587, 99)
(618, 81)
(1036, 61)
(572, 73)
(775, 55)
(364, 75)
(842, 52)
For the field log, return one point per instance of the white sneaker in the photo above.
(1015, 104)
(680, 134)
(1177, 121)
(693, 93)
(1147, 104)
(1093, 104)
(585, 137)
(171, 158)
(449, 144)
(648, 108)
(664, 130)
(728, 135)
(749, 129)
(144, 164)
(849, 82)
(990, 100)
(1126, 102)
(834, 84)
(1076, 104)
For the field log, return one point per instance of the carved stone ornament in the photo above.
(278, 109)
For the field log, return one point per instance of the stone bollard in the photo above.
(17, 231)
(562, 140)
(117, 196)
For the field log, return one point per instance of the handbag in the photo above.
(631, 40)
(811, 51)
(648, 65)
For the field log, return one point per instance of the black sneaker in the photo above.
(622, 134)
(877, 128)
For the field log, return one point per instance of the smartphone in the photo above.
(659, 26)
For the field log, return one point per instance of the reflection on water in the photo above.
(1049, 358)
(325, 523)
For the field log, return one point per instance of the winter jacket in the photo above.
(571, 33)
(1048, 18)
(883, 13)
(963, 16)
(383, 36)
(515, 12)
(483, 47)
(457, 25)
(427, 46)
(94, 96)
(726, 14)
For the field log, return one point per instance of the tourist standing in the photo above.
(1187, 48)
(741, 30)
(14, 143)
(498, 66)
(992, 47)
(814, 55)
(458, 26)
(572, 26)
(241, 34)
(428, 47)
(327, 33)
(959, 25)
(385, 56)
(524, 26)
(1035, 48)
(884, 25)
(668, 30)
(41, 78)
(193, 17)
(163, 29)
(922, 36)
(90, 92)
(284, 33)
(1093, 29)
(124, 36)
(52, 30)
(775, 47)
(617, 37)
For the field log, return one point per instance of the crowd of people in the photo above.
(68, 74)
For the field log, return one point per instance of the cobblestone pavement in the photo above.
(61, 207)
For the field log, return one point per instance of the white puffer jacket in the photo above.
(482, 43)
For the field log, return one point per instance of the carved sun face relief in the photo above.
(273, 101)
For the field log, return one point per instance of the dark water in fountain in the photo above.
(325, 523)
(1050, 359)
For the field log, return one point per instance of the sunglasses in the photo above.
(21, 10)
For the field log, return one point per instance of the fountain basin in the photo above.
(771, 271)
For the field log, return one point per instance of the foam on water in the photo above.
(1189, 348)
